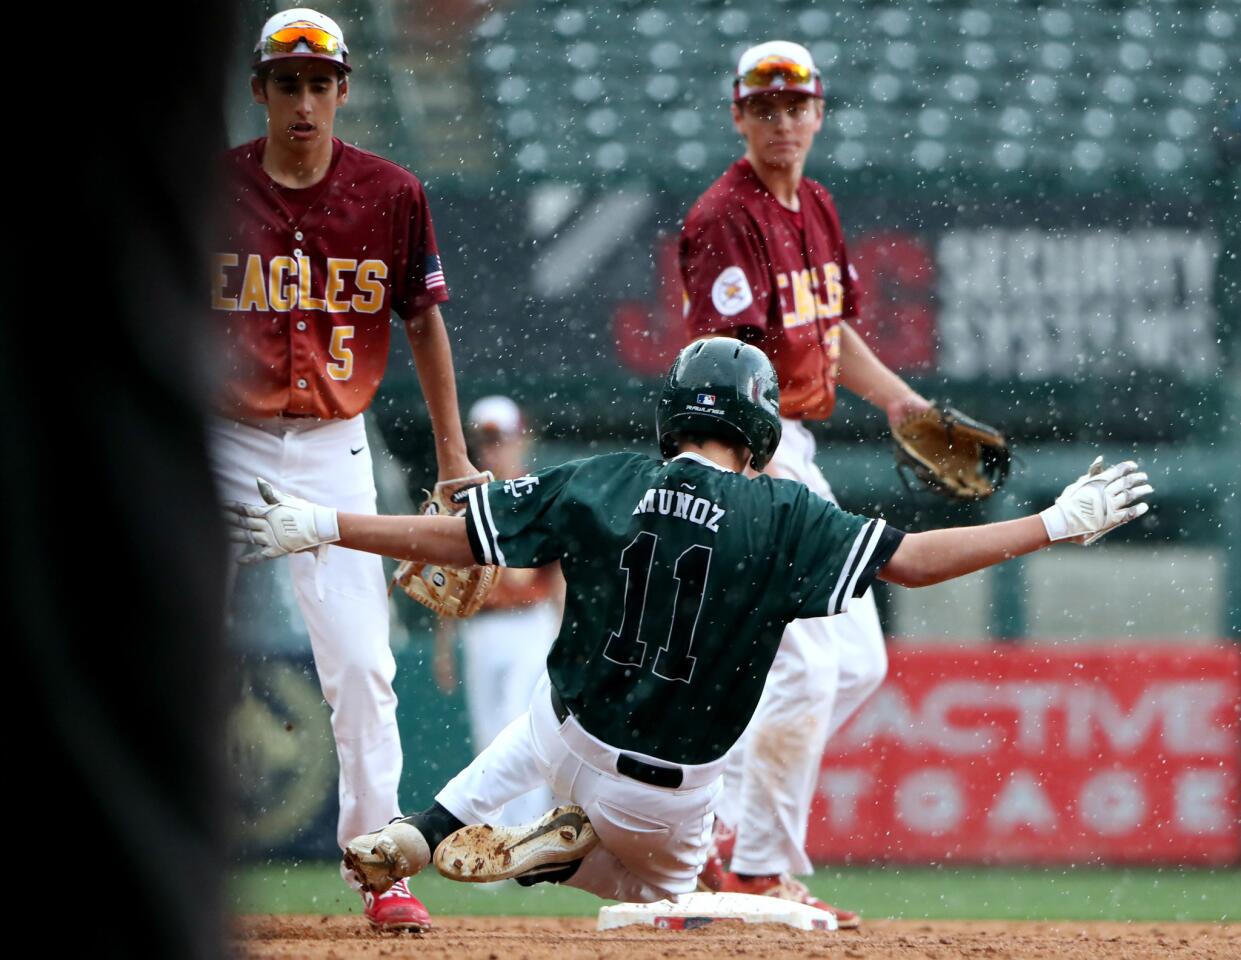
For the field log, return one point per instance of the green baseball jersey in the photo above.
(681, 579)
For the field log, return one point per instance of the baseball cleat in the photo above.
(787, 887)
(396, 910)
(378, 860)
(482, 853)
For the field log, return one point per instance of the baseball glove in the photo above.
(449, 591)
(955, 456)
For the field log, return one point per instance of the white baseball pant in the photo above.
(823, 671)
(329, 462)
(505, 654)
(652, 840)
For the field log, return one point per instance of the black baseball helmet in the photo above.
(721, 388)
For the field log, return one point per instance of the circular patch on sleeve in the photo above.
(731, 292)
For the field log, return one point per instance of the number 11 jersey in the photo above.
(681, 578)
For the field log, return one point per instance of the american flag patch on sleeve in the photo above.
(435, 272)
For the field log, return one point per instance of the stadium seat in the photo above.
(1007, 85)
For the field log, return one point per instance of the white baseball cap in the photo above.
(778, 65)
(301, 32)
(496, 415)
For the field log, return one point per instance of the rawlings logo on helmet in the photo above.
(721, 387)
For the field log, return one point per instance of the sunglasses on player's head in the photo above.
(287, 39)
(777, 71)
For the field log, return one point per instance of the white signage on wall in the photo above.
(1031, 304)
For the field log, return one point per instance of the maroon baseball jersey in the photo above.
(306, 281)
(746, 261)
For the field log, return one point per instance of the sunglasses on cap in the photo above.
(286, 40)
(777, 71)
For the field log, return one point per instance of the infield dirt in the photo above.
(551, 938)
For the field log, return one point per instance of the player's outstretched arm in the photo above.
(283, 524)
(1094, 504)
(439, 540)
(938, 555)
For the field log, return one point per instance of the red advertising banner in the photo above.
(1039, 756)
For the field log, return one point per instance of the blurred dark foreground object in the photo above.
(111, 539)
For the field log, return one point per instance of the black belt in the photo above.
(626, 763)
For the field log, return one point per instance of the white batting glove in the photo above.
(1097, 502)
(283, 525)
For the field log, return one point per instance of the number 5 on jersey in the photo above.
(625, 646)
(342, 367)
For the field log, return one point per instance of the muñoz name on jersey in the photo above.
(681, 578)
(681, 506)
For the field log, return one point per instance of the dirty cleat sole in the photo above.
(377, 860)
(482, 853)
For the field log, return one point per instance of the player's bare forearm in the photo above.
(440, 540)
(867, 376)
(432, 350)
(938, 555)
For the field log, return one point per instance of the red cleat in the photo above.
(723, 840)
(396, 910)
(787, 887)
